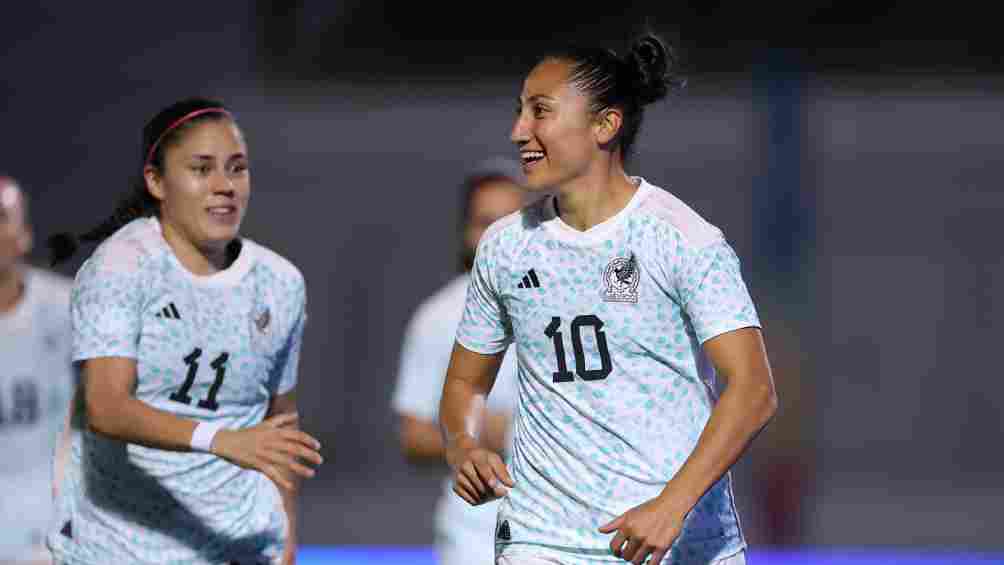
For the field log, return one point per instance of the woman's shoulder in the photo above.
(680, 219)
(130, 248)
(275, 264)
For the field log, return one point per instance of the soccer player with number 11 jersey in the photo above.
(185, 447)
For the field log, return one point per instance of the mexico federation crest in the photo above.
(621, 279)
(262, 320)
(262, 336)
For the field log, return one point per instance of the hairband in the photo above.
(177, 123)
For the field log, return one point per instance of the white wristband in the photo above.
(202, 437)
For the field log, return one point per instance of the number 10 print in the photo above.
(563, 375)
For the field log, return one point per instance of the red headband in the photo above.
(177, 123)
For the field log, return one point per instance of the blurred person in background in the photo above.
(464, 534)
(36, 383)
(187, 336)
(621, 446)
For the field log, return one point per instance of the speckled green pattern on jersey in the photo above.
(609, 432)
(237, 334)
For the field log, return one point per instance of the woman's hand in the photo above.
(274, 447)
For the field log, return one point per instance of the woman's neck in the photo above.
(595, 197)
(200, 260)
(11, 288)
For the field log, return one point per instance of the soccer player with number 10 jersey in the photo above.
(624, 304)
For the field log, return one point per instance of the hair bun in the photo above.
(652, 62)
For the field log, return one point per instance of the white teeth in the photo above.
(528, 156)
(221, 210)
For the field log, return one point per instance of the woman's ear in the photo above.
(154, 182)
(608, 125)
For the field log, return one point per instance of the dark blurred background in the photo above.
(851, 155)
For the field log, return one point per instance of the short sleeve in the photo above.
(421, 370)
(485, 326)
(106, 306)
(288, 361)
(711, 289)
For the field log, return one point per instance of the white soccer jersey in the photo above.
(613, 388)
(213, 348)
(36, 384)
(425, 356)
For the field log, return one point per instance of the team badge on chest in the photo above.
(261, 329)
(262, 319)
(621, 279)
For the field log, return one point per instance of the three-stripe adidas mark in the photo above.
(169, 311)
(529, 281)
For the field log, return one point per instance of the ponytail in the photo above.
(159, 133)
(139, 203)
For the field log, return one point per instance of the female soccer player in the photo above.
(621, 449)
(188, 339)
(36, 383)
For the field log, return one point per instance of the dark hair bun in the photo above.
(651, 62)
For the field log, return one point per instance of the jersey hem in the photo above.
(481, 350)
(726, 328)
(88, 355)
(526, 548)
(284, 390)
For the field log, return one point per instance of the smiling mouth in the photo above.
(530, 157)
(222, 210)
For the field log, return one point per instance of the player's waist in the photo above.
(574, 502)
(96, 543)
(714, 551)
(176, 523)
(712, 535)
(176, 493)
(593, 473)
(646, 451)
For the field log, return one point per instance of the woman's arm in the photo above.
(748, 403)
(285, 404)
(480, 474)
(422, 440)
(113, 411)
(745, 407)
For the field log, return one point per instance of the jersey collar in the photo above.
(230, 276)
(601, 231)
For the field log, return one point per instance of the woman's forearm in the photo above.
(134, 421)
(461, 413)
(738, 416)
